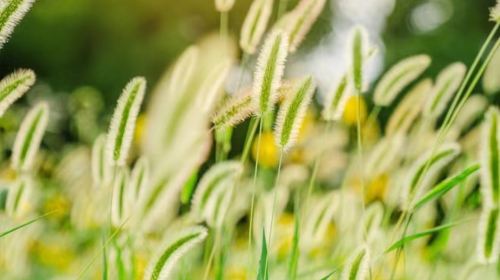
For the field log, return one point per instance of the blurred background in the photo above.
(87, 50)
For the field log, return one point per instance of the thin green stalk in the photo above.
(212, 254)
(360, 150)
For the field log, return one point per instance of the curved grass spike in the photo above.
(424, 170)
(473, 108)
(269, 71)
(29, 137)
(18, 196)
(359, 47)
(234, 111)
(121, 129)
(120, 208)
(299, 21)
(337, 99)
(212, 183)
(139, 179)
(490, 158)
(219, 204)
(292, 113)
(357, 267)
(488, 246)
(321, 214)
(398, 77)
(11, 12)
(224, 5)
(447, 83)
(408, 109)
(101, 171)
(255, 24)
(172, 250)
(14, 86)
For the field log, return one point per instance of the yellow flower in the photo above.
(267, 153)
(376, 188)
(140, 263)
(351, 110)
(58, 205)
(236, 273)
(54, 255)
(285, 229)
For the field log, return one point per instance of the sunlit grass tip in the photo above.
(269, 71)
(490, 158)
(13, 86)
(337, 99)
(495, 12)
(213, 86)
(29, 137)
(255, 24)
(101, 171)
(235, 110)
(357, 266)
(122, 125)
(175, 246)
(447, 83)
(224, 5)
(398, 77)
(299, 21)
(488, 245)
(11, 12)
(292, 112)
(359, 48)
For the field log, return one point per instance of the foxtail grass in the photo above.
(255, 25)
(12, 11)
(490, 158)
(14, 86)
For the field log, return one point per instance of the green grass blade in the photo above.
(16, 228)
(445, 186)
(263, 266)
(294, 255)
(400, 243)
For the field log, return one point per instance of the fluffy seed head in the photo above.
(214, 182)
(29, 137)
(446, 85)
(121, 129)
(488, 245)
(176, 246)
(299, 21)
(14, 86)
(101, 171)
(292, 113)
(255, 24)
(337, 99)
(495, 12)
(269, 71)
(234, 111)
(224, 5)
(474, 107)
(398, 77)
(213, 86)
(358, 48)
(11, 12)
(490, 158)
(372, 221)
(408, 109)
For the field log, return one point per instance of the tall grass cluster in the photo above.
(399, 179)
